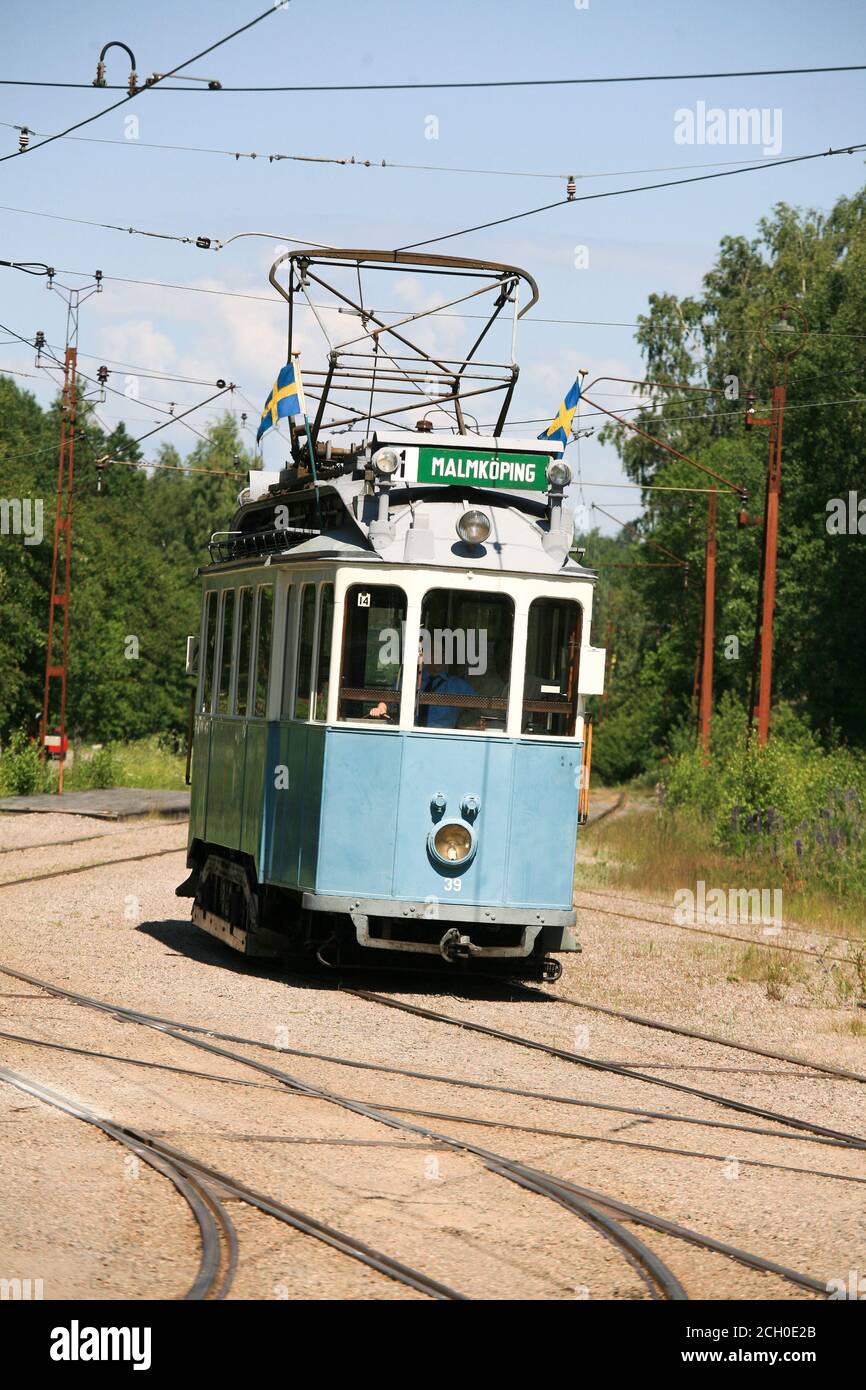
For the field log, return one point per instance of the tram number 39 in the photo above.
(453, 885)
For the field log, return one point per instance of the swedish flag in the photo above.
(560, 428)
(286, 398)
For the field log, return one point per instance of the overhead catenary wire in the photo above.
(450, 86)
(278, 303)
(623, 192)
(355, 162)
(131, 96)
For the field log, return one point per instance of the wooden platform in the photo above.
(115, 803)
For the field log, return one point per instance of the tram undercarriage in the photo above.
(275, 923)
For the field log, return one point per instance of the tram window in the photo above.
(226, 651)
(263, 649)
(464, 660)
(323, 660)
(245, 632)
(306, 633)
(208, 643)
(371, 675)
(552, 658)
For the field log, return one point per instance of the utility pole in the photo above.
(706, 661)
(709, 626)
(52, 736)
(789, 341)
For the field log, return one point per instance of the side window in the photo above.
(552, 658)
(304, 665)
(464, 660)
(245, 632)
(323, 649)
(208, 648)
(371, 673)
(263, 648)
(226, 651)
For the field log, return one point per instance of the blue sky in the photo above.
(654, 241)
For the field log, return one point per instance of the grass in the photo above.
(658, 854)
(143, 763)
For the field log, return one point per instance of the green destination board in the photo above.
(483, 468)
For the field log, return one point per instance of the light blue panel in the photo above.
(225, 782)
(457, 766)
(376, 817)
(543, 824)
(360, 796)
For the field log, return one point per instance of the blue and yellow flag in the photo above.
(286, 398)
(560, 428)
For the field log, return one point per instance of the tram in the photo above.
(390, 736)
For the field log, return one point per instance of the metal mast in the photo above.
(53, 735)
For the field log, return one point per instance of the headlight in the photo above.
(558, 473)
(473, 527)
(452, 843)
(386, 462)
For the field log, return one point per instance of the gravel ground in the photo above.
(90, 1223)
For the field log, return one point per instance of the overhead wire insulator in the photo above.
(571, 188)
(99, 79)
(133, 82)
(23, 139)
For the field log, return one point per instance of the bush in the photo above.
(795, 801)
(102, 769)
(22, 771)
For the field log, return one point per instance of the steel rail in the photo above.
(541, 1131)
(719, 935)
(579, 1059)
(59, 992)
(824, 1067)
(634, 1250)
(662, 907)
(557, 1189)
(210, 1216)
(194, 1179)
(507, 1167)
(99, 864)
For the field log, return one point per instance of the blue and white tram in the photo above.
(389, 729)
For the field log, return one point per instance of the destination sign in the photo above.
(483, 468)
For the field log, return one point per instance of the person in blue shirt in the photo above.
(438, 680)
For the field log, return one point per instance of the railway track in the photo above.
(542, 1131)
(83, 868)
(819, 956)
(217, 1233)
(203, 1187)
(603, 1212)
(607, 1215)
(661, 907)
(580, 1059)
